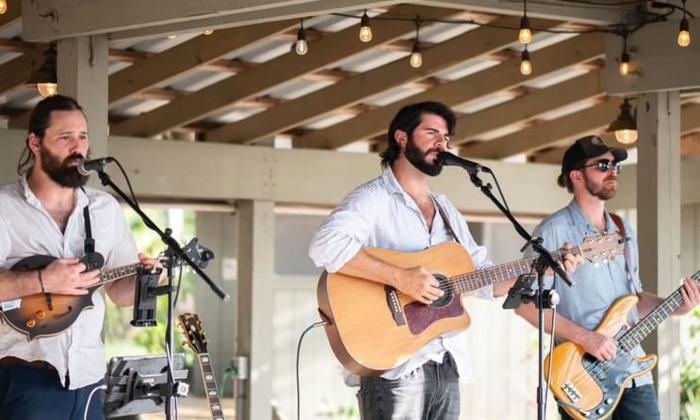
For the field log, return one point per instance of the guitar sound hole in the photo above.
(447, 297)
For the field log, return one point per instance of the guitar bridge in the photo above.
(392, 301)
(571, 392)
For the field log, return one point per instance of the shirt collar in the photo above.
(578, 218)
(81, 200)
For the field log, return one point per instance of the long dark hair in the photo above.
(39, 121)
(407, 119)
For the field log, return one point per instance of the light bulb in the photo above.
(208, 32)
(525, 67)
(365, 29)
(525, 34)
(625, 64)
(47, 89)
(301, 47)
(3, 7)
(365, 34)
(626, 136)
(416, 59)
(683, 38)
(525, 64)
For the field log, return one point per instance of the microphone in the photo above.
(448, 159)
(93, 165)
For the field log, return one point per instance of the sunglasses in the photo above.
(605, 165)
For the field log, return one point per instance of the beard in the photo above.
(601, 191)
(61, 172)
(418, 159)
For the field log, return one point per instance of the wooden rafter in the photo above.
(196, 52)
(266, 76)
(587, 86)
(15, 72)
(546, 133)
(501, 77)
(472, 44)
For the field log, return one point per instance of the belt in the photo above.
(13, 361)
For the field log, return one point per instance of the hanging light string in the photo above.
(416, 58)
(525, 33)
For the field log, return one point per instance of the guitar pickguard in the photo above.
(421, 316)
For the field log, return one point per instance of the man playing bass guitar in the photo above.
(397, 211)
(589, 171)
(44, 213)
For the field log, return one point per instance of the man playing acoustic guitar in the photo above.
(589, 171)
(397, 211)
(43, 213)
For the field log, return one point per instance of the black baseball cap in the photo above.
(585, 148)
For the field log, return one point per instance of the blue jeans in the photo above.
(30, 393)
(637, 403)
(431, 392)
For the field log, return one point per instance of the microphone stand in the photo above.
(175, 255)
(522, 289)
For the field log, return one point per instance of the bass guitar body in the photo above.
(587, 388)
(373, 328)
(44, 315)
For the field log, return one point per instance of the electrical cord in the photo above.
(87, 406)
(301, 338)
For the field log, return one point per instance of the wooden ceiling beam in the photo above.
(541, 135)
(184, 57)
(528, 106)
(501, 77)
(472, 44)
(322, 54)
(14, 73)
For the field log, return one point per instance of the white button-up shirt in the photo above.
(380, 214)
(27, 229)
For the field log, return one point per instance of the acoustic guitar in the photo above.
(373, 328)
(590, 389)
(196, 339)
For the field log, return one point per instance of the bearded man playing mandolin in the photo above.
(603, 371)
(44, 213)
(397, 211)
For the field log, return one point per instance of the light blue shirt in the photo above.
(380, 214)
(597, 286)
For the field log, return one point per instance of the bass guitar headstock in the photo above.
(194, 333)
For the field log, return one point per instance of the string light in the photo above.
(44, 77)
(3, 7)
(47, 89)
(365, 29)
(525, 64)
(625, 58)
(525, 33)
(416, 59)
(684, 30)
(301, 46)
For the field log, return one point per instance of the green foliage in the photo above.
(690, 374)
(120, 337)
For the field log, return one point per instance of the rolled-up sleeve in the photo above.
(344, 232)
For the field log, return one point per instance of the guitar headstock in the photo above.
(602, 248)
(194, 333)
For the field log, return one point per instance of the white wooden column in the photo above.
(82, 74)
(659, 217)
(255, 279)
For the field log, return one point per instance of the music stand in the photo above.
(139, 384)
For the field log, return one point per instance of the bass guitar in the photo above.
(590, 389)
(196, 339)
(373, 328)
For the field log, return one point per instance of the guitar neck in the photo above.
(653, 319)
(496, 274)
(217, 411)
(118, 273)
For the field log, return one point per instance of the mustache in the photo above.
(611, 178)
(74, 156)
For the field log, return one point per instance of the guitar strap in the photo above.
(628, 258)
(446, 221)
(89, 240)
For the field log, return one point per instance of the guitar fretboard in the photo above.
(634, 336)
(217, 411)
(482, 278)
(118, 273)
